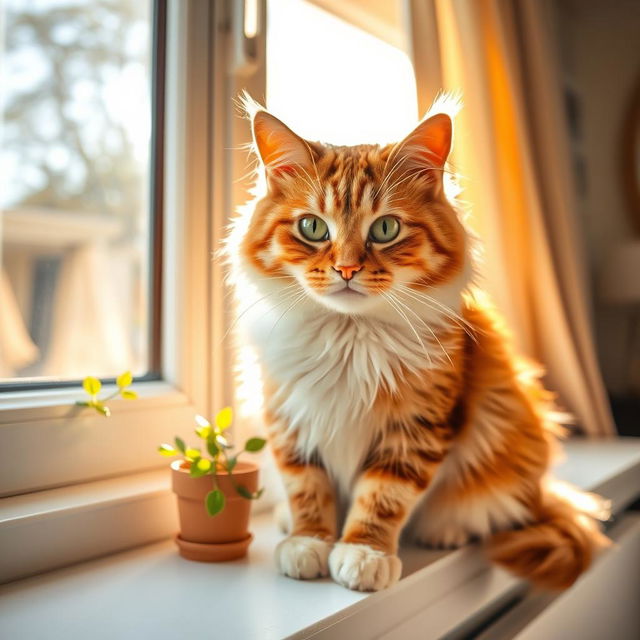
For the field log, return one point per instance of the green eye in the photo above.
(314, 229)
(384, 229)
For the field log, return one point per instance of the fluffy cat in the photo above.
(391, 390)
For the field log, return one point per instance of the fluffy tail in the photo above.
(553, 551)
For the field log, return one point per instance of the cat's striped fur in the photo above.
(402, 404)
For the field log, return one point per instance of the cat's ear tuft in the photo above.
(282, 151)
(429, 144)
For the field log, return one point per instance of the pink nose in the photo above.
(347, 271)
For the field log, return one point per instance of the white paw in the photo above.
(303, 557)
(359, 567)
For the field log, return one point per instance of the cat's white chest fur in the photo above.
(328, 368)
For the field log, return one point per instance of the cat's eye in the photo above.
(313, 228)
(384, 229)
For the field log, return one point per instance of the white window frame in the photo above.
(47, 442)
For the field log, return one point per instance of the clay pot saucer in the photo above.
(212, 552)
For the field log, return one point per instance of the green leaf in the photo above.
(231, 464)
(91, 385)
(128, 394)
(101, 408)
(244, 492)
(180, 444)
(82, 403)
(214, 502)
(124, 379)
(254, 444)
(213, 448)
(167, 450)
(224, 417)
(191, 453)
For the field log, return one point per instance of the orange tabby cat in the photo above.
(392, 393)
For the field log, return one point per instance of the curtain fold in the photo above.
(17, 350)
(512, 150)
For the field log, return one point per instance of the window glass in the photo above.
(75, 224)
(332, 81)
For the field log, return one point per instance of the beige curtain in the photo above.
(17, 350)
(89, 327)
(511, 148)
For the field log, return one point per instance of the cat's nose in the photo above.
(347, 271)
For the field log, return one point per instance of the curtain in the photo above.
(512, 150)
(17, 350)
(89, 328)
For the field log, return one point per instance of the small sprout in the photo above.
(203, 464)
(217, 447)
(191, 453)
(224, 417)
(203, 430)
(93, 386)
(124, 379)
(167, 450)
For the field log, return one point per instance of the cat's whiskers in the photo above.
(403, 315)
(447, 311)
(315, 166)
(286, 292)
(426, 325)
(317, 190)
(296, 301)
(395, 166)
(394, 187)
(231, 292)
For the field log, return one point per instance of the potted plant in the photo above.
(214, 490)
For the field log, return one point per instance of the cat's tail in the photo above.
(554, 550)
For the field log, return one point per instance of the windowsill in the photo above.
(152, 592)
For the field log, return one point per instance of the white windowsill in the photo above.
(152, 592)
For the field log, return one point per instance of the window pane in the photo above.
(332, 81)
(75, 224)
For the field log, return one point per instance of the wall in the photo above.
(601, 55)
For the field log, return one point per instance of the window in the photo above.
(76, 226)
(344, 85)
(190, 202)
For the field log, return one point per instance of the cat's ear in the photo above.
(428, 145)
(282, 151)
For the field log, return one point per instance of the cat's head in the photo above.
(357, 228)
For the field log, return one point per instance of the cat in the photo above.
(394, 403)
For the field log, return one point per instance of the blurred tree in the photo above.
(76, 118)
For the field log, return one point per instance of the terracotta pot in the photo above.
(224, 536)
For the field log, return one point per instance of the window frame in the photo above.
(198, 131)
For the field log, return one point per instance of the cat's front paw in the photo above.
(359, 567)
(303, 557)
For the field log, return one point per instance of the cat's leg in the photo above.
(304, 553)
(392, 482)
